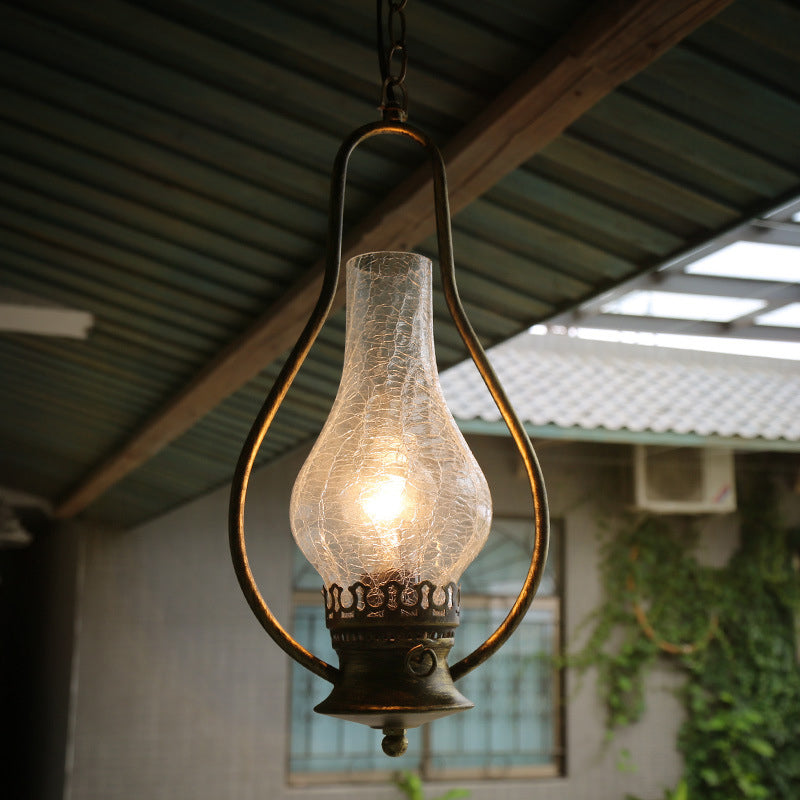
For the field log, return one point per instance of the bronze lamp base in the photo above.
(392, 642)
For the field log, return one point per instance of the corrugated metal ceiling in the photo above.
(165, 166)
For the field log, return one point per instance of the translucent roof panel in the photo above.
(753, 260)
(711, 344)
(787, 316)
(676, 305)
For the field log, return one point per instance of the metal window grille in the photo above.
(514, 730)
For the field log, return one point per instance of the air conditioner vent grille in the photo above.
(684, 480)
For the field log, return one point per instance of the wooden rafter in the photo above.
(608, 45)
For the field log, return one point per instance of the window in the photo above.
(515, 727)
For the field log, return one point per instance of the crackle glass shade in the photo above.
(390, 490)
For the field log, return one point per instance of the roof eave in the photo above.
(626, 436)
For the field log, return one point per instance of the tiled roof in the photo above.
(572, 383)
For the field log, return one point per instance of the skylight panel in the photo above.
(710, 344)
(787, 316)
(675, 305)
(751, 260)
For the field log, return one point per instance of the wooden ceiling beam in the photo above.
(608, 44)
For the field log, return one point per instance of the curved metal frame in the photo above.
(284, 380)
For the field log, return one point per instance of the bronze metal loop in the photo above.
(415, 661)
(293, 363)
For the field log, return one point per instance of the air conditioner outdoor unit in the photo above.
(684, 480)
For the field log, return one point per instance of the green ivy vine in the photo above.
(410, 784)
(730, 631)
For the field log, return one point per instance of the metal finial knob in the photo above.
(394, 741)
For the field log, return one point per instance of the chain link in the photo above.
(393, 60)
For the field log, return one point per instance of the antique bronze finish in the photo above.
(392, 641)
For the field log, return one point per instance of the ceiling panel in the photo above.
(164, 165)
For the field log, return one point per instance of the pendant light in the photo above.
(390, 506)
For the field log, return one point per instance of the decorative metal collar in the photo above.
(392, 603)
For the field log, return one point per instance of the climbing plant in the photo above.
(731, 631)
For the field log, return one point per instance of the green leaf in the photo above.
(709, 776)
(762, 747)
(681, 791)
(410, 784)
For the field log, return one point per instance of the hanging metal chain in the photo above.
(393, 60)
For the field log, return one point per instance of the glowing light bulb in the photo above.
(386, 502)
(390, 490)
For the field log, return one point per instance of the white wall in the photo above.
(180, 694)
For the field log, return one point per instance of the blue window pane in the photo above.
(513, 723)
